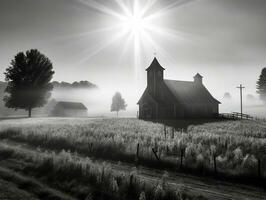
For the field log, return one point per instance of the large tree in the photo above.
(118, 103)
(28, 77)
(261, 85)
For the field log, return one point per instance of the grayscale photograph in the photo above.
(132, 99)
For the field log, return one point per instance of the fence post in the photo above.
(164, 131)
(90, 147)
(173, 133)
(181, 159)
(214, 163)
(137, 154)
(131, 181)
(259, 167)
(156, 156)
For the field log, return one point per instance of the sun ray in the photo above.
(165, 10)
(125, 48)
(136, 25)
(147, 6)
(100, 7)
(124, 8)
(100, 47)
(170, 34)
(86, 34)
(137, 55)
(158, 48)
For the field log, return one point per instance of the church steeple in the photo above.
(154, 76)
(155, 65)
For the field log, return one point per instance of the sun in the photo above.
(134, 25)
(131, 18)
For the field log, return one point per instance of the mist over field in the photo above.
(98, 101)
(254, 107)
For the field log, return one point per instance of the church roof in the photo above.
(71, 105)
(189, 92)
(155, 65)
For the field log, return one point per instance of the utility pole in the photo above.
(241, 103)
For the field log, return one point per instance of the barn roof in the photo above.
(71, 105)
(189, 92)
(155, 65)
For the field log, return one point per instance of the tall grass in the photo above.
(85, 179)
(233, 148)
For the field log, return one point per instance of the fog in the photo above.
(254, 107)
(98, 101)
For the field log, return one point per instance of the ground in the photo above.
(97, 159)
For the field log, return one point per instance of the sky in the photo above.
(96, 40)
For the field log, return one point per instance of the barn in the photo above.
(166, 99)
(69, 109)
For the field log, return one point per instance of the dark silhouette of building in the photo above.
(165, 99)
(69, 109)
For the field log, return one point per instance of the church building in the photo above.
(166, 99)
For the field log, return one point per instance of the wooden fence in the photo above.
(236, 115)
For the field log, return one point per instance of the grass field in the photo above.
(95, 158)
